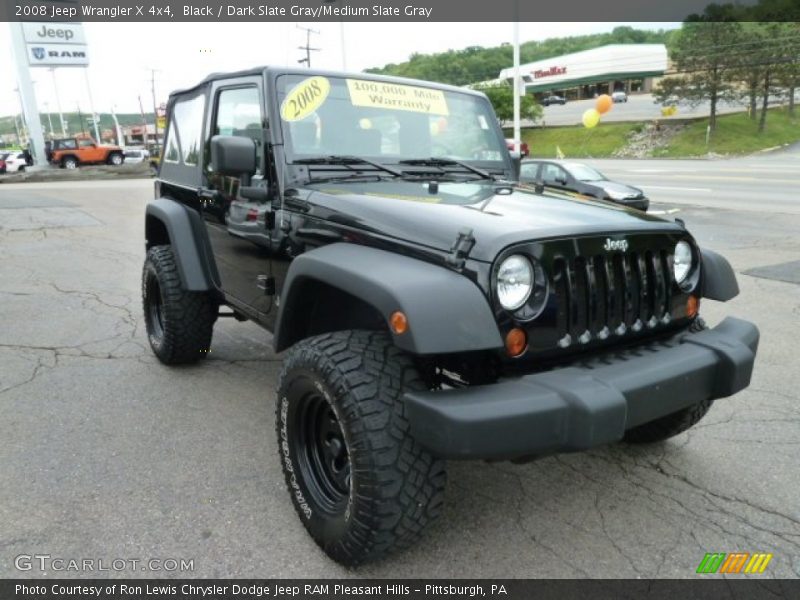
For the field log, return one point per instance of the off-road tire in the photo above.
(69, 162)
(179, 323)
(395, 487)
(116, 159)
(678, 422)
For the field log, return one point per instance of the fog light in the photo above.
(516, 342)
(692, 306)
(398, 322)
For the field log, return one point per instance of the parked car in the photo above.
(136, 155)
(619, 96)
(554, 99)
(16, 161)
(523, 147)
(430, 307)
(68, 153)
(582, 179)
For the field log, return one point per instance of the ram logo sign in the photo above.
(734, 563)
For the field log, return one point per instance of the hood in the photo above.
(498, 214)
(619, 188)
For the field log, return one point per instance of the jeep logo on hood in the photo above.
(621, 245)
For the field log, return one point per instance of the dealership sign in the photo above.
(55, 44)
(549, 72)
(54, 33)
(57, 55)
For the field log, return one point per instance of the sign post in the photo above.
(29, 106)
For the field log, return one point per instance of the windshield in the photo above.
(386, 122)
(584, 173)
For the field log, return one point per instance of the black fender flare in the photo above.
(446, 311)
(185, 229)
(719, 279)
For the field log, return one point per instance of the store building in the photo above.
(617, 67)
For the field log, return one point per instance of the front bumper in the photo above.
(579, 407)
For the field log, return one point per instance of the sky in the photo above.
(122, 55)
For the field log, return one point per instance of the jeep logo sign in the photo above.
(621, 245)
(53, 33)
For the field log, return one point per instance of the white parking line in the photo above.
(678, 189)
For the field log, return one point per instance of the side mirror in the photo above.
(561, 180)
(233, 155)
(516, 164)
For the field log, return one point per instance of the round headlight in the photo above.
(514, 282)
(682, 262)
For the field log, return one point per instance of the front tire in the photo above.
(179, 323)
(678, 422)
(69, 163)
(362, 486)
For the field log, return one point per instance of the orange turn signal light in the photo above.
(516, 342)
(692, 306)
(398, 322)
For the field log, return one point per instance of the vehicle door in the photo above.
(88, 151)
(237, 225)
(556, 177)
(529, 172)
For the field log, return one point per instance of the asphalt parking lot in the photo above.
(107, 454)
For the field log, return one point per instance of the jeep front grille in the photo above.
(609, 295)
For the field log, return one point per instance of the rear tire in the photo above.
(179, 323)
(116, 159)
(678, 422)
(69, 163)
(361, 485)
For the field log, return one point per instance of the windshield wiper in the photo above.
(446, 162)
(336, 159)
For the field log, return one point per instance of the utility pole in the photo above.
(155, 107)
(307, 47)
(144, 123)
(341, 35)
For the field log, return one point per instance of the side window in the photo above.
(85, 143)
(528, 170)
(551, 173)
(183, 141)
(239, 113)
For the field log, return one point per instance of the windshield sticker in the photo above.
(482, 122)
(305, 98)
(376, 94)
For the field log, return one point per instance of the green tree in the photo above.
(703, 53)
(502, 98)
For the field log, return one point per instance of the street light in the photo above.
(58, 103)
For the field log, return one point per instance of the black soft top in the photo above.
(300, 71)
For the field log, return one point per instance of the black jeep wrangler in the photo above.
(429, 307)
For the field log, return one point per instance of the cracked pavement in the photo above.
(108, 454)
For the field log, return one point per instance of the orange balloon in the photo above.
(604, 104)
